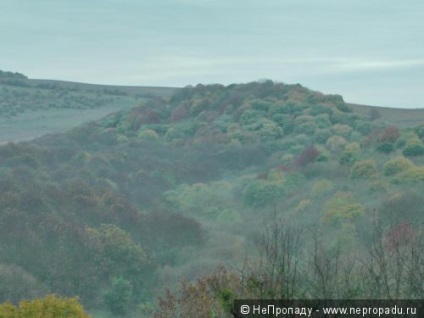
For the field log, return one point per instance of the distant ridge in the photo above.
(402, 117)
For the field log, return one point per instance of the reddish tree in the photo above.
(390, 134)
(179, 113)
(308, 155)
(399, 235)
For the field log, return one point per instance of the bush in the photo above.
(118, 297)
(342, 130)
(148, 134)
(323, 121)
(364, 127)
(419, 130)
(302, 205)
(269, 130)
(397, 165)
(119, 253)
(321, 187)
(309, 155)
(350, 154)
(390, 134)
(342, 208)
(386, 147)
(284, 121)
(51, 306)
(260, 193)
(321, 135)
(305, 124)
(364, 169)
(413, 149)
(179, 113)
(335, 143)
(410, 176)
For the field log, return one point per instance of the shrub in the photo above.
(321, 187)
(350, 154)
(321, 135)
(401, 142)
(302, 205)
(397, 165)
(305, 124)
(342, 130)
(117, 298)
(51, 306)
(296, 149)
(260, 193)
(284, 121)
(148, 134)
(364, 127)
(419, 130)
(410, 176)
(386, 147)
(212, 296)
(309, 155)
(269, 130)
(413, 149)
(120, 255)
(250, 116)
(175, 133)
(399, 235)
(179, 113)
(335, 143)
(323, 121)
(390, 134)
(364, 169)
(287, 159)
(342, 208)
(378, 186)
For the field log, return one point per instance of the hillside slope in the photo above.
(30, 108)
(248, 177)
(396, 116)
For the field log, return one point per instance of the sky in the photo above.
(369, 51)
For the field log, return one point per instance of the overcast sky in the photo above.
(369, 51)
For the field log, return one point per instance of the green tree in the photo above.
(51, 306)
(397, 165)
(342, 208)
(364, 169)
(118, 297)
(260, 193)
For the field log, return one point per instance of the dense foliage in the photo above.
(118, 210)
(48, 307)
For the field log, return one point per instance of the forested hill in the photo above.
(119, 209)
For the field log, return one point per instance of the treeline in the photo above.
(12, 75)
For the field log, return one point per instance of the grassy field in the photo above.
(141, 91)
(34, 124)
(399, 117)
(31, 108)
